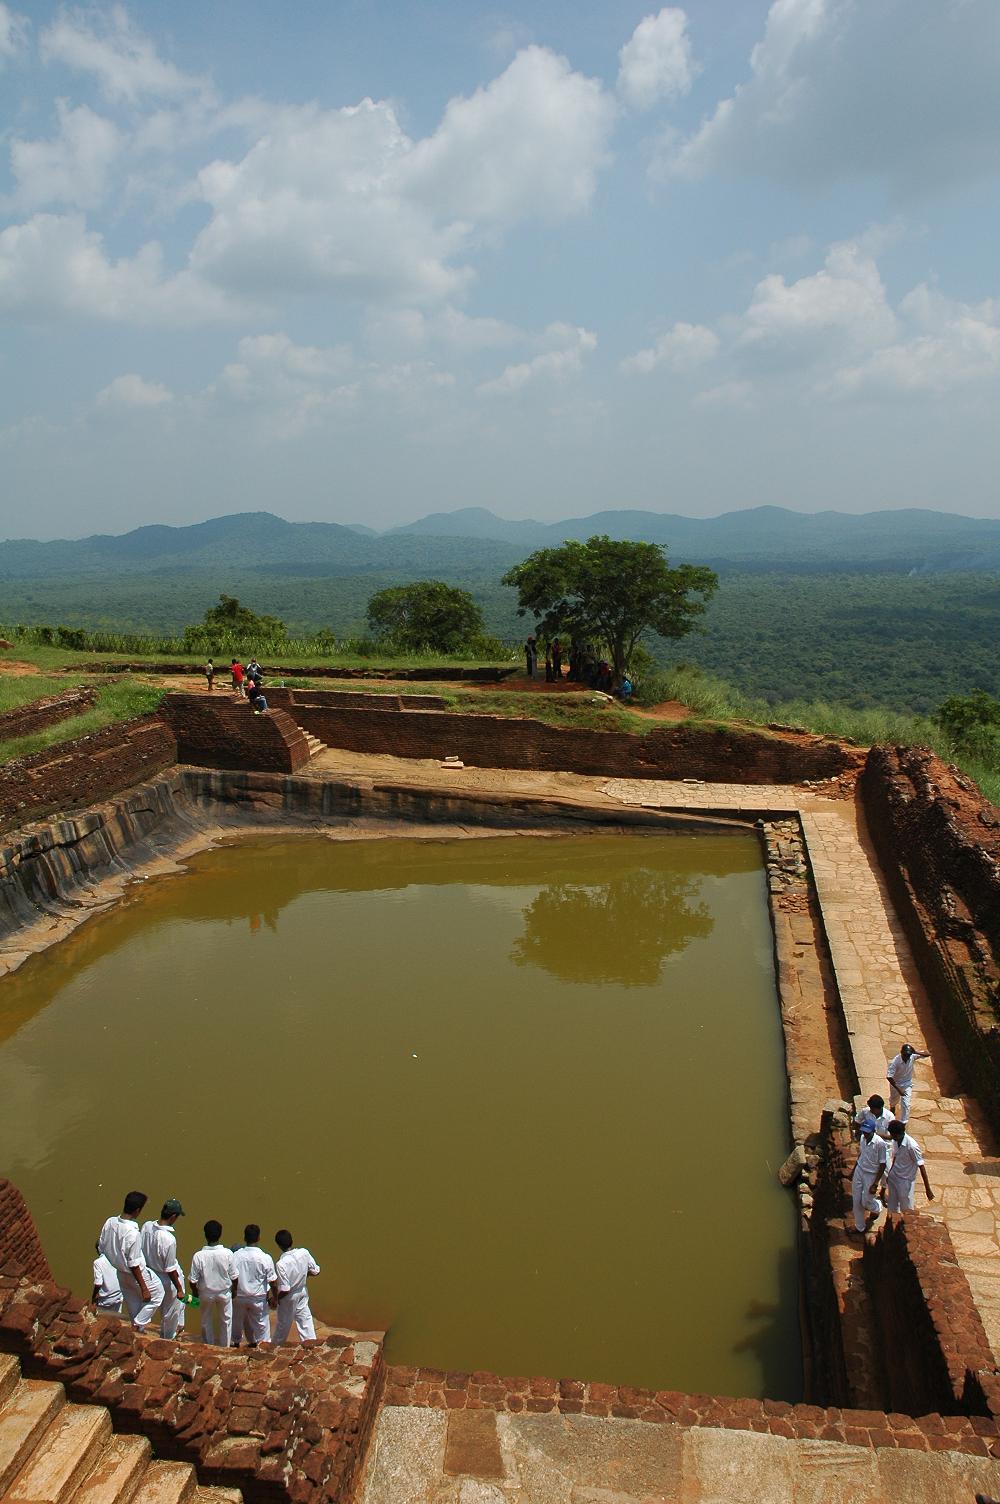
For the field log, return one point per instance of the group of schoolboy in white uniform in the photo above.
(234, 1287)
(886, 1149)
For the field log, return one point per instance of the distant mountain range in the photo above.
(475, 540)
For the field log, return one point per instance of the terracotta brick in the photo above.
(540, 1405)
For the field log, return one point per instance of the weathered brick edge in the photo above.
(48, 711)
(217, 731)
(285, 1424)
(439, 1389)
(84, 771)
(19, 1238)
(938, 841)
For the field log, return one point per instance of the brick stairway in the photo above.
(53, 1452)
(313, 742)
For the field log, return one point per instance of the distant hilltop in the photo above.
(760, 537)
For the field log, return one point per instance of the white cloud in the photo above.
(904, 90)
(656, 62)
(133, 391)
(106, 44)
(343, 199)
(52, 266)
(947, 345)
(844, 302)
(73, 167)
(315, 204)
(529, 144)
(565, 358)
(13, 32)
(682, 348)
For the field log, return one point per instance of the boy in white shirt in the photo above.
(295, 1267)
(213, 1282)
(907, 1159)
(256, 1288)
(159, 1249)
(122, 1247)
(868, 1171)
(107, 1292)
(900, 1078)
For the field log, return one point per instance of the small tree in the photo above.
(972, 725)
(610, 592)
(426, 614)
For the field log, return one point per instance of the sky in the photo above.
(361, 260)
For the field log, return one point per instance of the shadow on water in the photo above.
(773, 1331)
(631, 924)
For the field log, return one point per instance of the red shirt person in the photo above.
(239, 674)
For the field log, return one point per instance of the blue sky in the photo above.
(361, 261)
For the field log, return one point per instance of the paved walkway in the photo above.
(475, 1457)
(884, 1004)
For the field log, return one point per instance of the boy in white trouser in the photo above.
(907, 1159)
(872, 1158)
(159, 1249)
(295, 1267)
(256, 1288)
(900, 1078)
(213, 1281)
(121, 1246)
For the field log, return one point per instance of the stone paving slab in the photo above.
(884, 1004)
(579, 1459)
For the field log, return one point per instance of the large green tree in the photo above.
(426, 614)
(230, 622)
(609, 592)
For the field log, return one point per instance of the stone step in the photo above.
(166, 1483)
(117, 1472)
(10, 1376)
(25, 1417)
(62, 1457)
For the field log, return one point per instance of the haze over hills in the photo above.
(476, 540)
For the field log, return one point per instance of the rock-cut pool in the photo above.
(523, 1097)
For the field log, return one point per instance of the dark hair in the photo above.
(283, 1238)
(213, 1231)
(134, 1202)
(251, 1232)
(876, 1098)
(893, 1127)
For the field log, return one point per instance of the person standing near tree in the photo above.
(530, 657)
(556, 659)
(210, 675)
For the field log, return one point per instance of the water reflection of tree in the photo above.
(618, 931)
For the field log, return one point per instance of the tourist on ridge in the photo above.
(876, 1108)
(256, 1288)
(900, 1078)
(159, 1249)
(213, 1281)
(907, 1159)
(122, 1247)
(295, 1267)
(210, 675)
(254, 672)
(873, 1156)
(258, 704)
(107, 1292)
(530, 657)
(239, 674)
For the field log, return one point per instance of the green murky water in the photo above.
(523, 1098)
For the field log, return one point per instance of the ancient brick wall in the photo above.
(35, 716)
(291, 1424)
(20, 1245)
(938, 841)
(353, 699)
(84, 771)
(723, 755)
(221, 732)
(937, 1354)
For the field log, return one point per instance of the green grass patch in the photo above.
(120, 701)
(21, 689)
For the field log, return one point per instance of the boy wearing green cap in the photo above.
(159, 1249)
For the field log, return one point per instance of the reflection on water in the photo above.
(632, 924)
(524, 1098)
